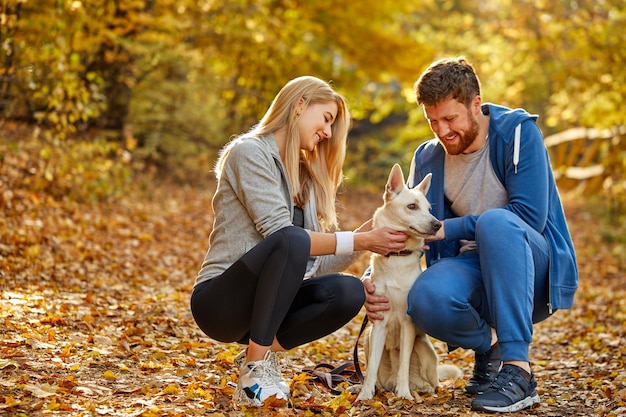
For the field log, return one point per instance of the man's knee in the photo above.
(495, 218)
(495, 225)
(422, 299)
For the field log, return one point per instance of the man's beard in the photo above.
(465, 139)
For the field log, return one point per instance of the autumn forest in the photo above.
(112, 114)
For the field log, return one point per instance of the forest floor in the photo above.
(95, 319)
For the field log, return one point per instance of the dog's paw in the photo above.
(354, 389)
(406, 394)
(365, 395)
(424, 387)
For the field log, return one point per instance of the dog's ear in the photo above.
(425, 184)
(395, 183)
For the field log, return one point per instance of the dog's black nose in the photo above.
(436, 225)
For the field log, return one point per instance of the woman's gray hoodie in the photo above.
(253, 199)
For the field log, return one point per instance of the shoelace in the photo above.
(274, 359)
(266, 377)
(275, 367)
(503, 380)
(269, 368)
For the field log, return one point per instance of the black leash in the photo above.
(355, 356)
(331, 376)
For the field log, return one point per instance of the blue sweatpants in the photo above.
(504, 284)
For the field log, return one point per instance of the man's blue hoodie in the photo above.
(521, 163)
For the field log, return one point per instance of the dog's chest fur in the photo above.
(393, 277)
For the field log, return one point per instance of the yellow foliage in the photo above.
(32, 252)
(10, 401)
(109, 375)
(53, 406)
(341, 402)
(171, 389)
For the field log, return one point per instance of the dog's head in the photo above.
(405, 209)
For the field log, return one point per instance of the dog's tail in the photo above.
(446, 371)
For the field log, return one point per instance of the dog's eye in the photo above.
(412, 206)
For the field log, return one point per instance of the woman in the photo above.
(270, 278)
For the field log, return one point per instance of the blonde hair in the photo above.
(320, 170)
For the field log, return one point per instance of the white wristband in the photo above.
(344, 243)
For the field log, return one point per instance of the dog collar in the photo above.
(404, 252)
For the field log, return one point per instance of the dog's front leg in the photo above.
(407, 338)
(376, 346)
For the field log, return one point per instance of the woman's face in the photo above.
(315, 124)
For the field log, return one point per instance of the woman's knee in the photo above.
(355, 291)
(349, 294)
(297, 233)
(298, 242)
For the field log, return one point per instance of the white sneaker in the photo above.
(257, 383)
(274, 359)
(240, 359)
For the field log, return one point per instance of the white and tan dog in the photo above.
(400, 357)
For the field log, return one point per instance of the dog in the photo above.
(399, 356)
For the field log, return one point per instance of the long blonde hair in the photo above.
(320, 170)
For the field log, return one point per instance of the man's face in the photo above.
(455, 125)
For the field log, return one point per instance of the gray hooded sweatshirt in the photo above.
(253, 199)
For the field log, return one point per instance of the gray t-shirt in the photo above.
(471, 185)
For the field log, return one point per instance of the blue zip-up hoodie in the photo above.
(520, 160)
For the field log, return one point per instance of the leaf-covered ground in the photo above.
(94, 319)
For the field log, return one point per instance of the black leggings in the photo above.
(263, 295)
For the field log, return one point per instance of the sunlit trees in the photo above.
(174, 79)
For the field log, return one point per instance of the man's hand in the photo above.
(440, 235)
(374, 304)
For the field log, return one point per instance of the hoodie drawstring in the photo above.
(516, 143)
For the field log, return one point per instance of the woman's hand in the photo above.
(374, 304)
(381, 240)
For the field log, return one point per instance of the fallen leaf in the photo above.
(109, 376)
(41, 391)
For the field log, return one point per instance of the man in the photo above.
(504, 258)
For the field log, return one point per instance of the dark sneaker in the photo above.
(509, 392)
(486, 369)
